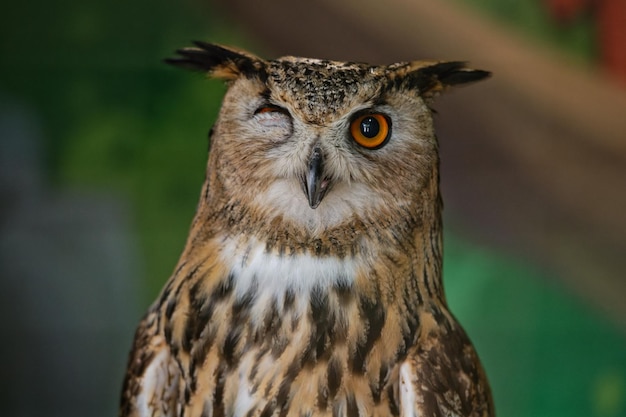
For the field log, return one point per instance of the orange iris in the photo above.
(370, 130)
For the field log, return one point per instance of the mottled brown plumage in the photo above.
(310, 284)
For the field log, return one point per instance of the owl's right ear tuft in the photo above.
(431, 78)
(218, 61)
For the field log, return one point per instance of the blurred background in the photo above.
(103, 148)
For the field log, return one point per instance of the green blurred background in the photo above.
(103, 154)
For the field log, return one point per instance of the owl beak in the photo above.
(315, 184)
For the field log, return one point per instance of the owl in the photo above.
(310, 283)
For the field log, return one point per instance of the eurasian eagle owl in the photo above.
(310, 284)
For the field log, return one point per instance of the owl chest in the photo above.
(290, 335)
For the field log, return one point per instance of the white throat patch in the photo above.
(253, 267)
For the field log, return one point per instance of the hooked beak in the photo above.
(314, 183)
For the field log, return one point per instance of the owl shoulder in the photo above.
(151, 383)
(442, 374)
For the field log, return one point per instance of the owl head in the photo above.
(317, 143)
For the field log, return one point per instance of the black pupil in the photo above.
(370, 127)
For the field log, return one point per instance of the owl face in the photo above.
(318, 142)
(319, 146)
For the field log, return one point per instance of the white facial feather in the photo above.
(342, 202)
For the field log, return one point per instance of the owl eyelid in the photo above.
(270, 116)
(369, 110)
(271, 108)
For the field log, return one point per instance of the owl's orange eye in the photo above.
(371, 130)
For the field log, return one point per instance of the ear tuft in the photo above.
(218, 61)
(430, 78)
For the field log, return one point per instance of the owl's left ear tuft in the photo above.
(218, 61)
(434, 77)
